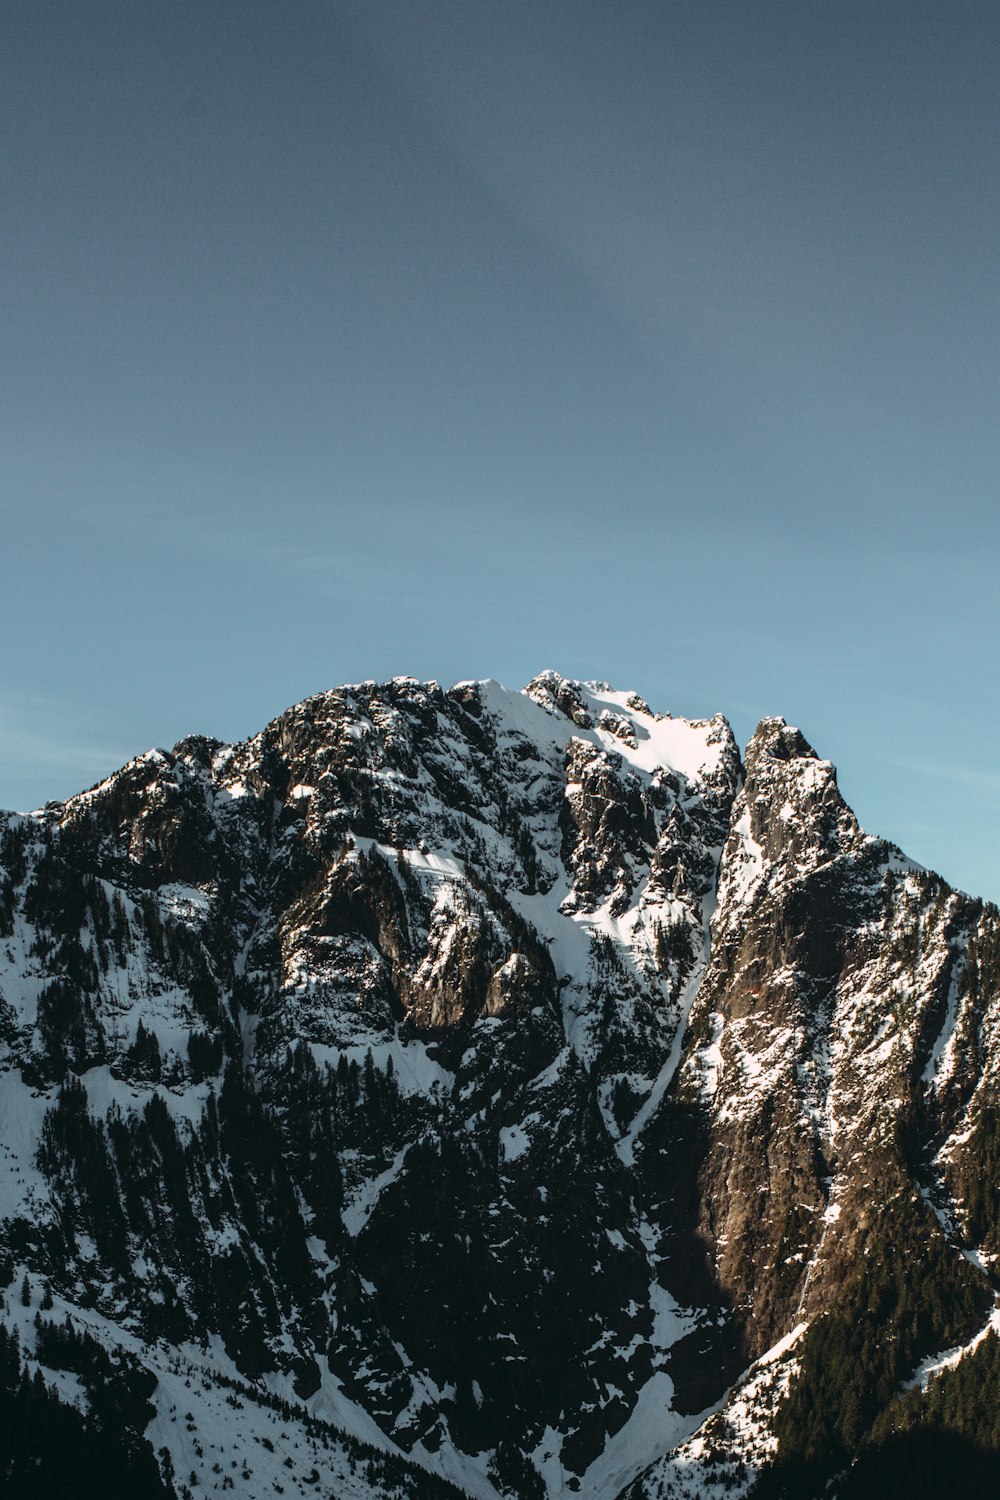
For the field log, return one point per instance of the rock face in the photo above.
(513, 1092)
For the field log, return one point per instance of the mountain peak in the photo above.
(492, 1075)
(776, 738)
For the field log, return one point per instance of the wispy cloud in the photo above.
(970, 778)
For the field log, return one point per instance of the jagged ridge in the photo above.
(496, 1076)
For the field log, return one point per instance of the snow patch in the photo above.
(357, 1213)
(936, 1364)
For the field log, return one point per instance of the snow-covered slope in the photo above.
(492, 1077)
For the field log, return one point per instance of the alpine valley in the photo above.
(471, 1092)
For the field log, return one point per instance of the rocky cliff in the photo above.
(514, 1092)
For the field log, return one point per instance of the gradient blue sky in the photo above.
(654, 342)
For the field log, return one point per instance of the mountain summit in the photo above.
(510, 1094)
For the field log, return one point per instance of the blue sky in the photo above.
(654, 342)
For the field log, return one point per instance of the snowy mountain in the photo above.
(491, 1093)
